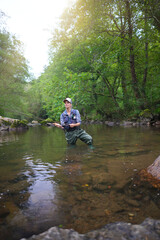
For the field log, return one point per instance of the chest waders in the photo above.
(72, 134)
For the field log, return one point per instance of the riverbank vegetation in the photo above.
(13, 74)
(103, 54)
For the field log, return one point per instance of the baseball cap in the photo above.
(68, 99)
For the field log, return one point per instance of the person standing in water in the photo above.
(70, 121)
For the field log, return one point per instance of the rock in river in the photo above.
(149, 229)
(150, 175)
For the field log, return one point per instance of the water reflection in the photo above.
(45, 183)
(6, 137)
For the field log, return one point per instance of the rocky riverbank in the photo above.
(134, 123)
(8, 124)
(147, 230)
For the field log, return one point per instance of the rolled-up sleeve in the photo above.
(62, 120)
(78, 116)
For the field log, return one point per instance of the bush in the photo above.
(48, 120)
(146, 113)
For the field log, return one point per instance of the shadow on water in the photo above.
(45, 183)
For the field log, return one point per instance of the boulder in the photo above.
(108, 123)
(154, 168)
(126, 123)
(9, 124)
(149, 229)
(35, 122)
(150, 175)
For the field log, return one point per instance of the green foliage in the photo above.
(89, 61)
(146, 113)
(157, 110)
(104, 55)
(13, 75)
(48, 120)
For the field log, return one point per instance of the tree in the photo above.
(104, 55)
(13, 75)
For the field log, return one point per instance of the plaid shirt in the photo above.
(73, 112)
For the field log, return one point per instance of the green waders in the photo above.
(72, 136)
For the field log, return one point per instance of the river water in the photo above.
(44, 182)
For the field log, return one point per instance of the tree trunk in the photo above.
(111, 91)
(146, 56)
(121, 61)
(132, 57)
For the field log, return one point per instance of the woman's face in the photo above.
(67, 104)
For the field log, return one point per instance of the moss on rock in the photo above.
(19, 123)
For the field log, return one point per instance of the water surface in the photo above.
(44, 182)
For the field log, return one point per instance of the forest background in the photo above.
(104, 54)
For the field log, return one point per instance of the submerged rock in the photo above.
(150, 175)
(149, 229)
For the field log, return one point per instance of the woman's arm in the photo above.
(58, 125)
(74, 125)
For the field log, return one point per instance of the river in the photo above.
(44, 182)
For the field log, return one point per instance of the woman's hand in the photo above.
(74, 125)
